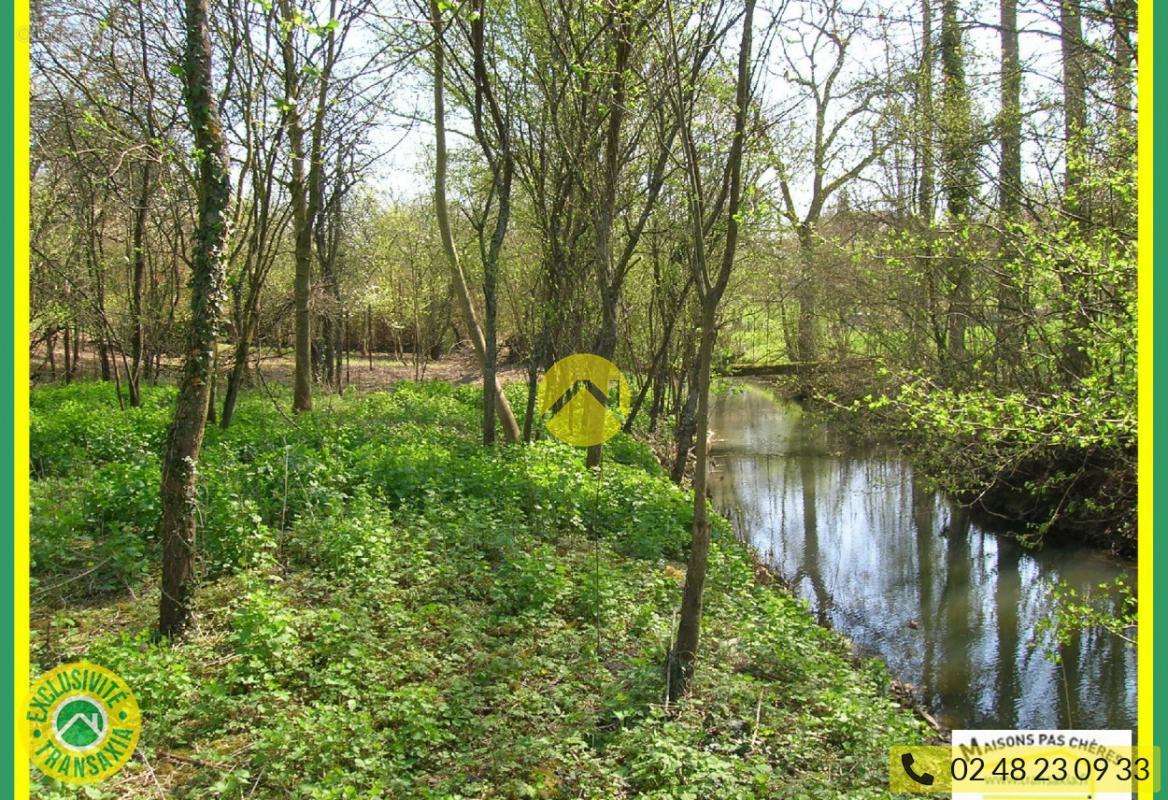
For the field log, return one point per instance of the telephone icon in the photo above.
(924, 779)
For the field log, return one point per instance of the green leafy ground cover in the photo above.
(387, 610)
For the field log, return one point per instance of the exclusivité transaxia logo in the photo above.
(83, 723)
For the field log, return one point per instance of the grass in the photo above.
(387, 610)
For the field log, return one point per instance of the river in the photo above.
(950, 605)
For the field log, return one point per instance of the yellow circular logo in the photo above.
(576, 394)
(83, 723)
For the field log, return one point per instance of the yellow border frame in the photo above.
(20, 301)
(20, 223)
(1146, 553)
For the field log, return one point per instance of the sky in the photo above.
(405, 136)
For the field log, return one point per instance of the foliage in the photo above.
(1056, 463)
(1037, 424)
(1109, 607)
(403, 613)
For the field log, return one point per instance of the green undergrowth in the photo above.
(388, 610)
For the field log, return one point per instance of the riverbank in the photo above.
(959, 610)
(1057, 467)
(389, 610)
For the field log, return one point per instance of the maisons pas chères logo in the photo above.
(83, 723)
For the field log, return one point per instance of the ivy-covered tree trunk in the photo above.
(1009, 340)
(925, 114)
(1123, 18)
(185, 437)
(1076, 209)
(959, 176)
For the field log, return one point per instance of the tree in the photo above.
(176, 525)
(710, 286)
(442, 212)
(624, 26)
(958, 177)
(925, 112)
(1076, 205)
(141, 212)
(481, 87)
(926, 196)
(1009, 177)
(303, 199)
(816, 72)
(1074, 64)
(592, 149)
(1123, 23)
(261, 218)
(108, 113)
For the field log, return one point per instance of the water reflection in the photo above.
(950, 606)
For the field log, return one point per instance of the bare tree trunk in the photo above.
(807, 333)
(658, 402)
(301, 221)
(686, 424)
(498, 156)
(66, 341)
(1123, 15)
(235, 378)
(492, 391)
(325, 347)
(683, 655)
(103, 350)
(116, 374)
(66, 334)
(610, 275)
(1010, 115)
(51, 354)
(506, 415)
(76, 347)
(529, 408)
(650, 381)
(345, 344)
(185, 438)
(1123, 19)
(103, 358)
(925, 195)
(538, 358)
(1074, 55)
(138, 285)
(369, 333)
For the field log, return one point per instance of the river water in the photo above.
(905, 574)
